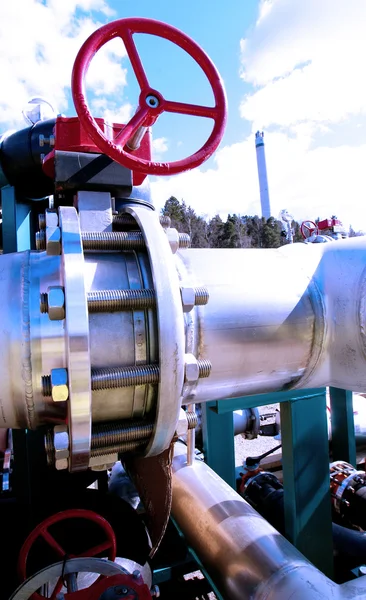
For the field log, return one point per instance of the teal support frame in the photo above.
(305, 460)
(17, 228)
(343, 427)
(218, 442)
(305, 464)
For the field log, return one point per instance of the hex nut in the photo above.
(53, 241)
(182, 425)
(191, 369)
(56, 303)
(188, 296)
(51, 217)
(61, 444)
(59, 385)
(173, 238)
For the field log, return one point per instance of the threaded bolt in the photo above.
(50, 448)
(46, 385)
(110, 378)
(184, 240)
(114, 434)
(44, 303)
(121, 448)
(123, 219)
(113, 378)
(192, 419)
(42, 221)
(116, 300)
(204, 368)
(201, 296)
(116, 240)
(41, 240)
(112, 300)
(165, 221)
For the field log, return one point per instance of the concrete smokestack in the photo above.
(262, 174)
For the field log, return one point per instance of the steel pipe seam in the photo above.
(245, 556)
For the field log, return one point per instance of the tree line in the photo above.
(237, 231)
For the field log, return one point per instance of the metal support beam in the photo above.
(231, 404)
(343, 428)
(305, 458)
(218, 442)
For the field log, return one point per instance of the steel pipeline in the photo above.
(245, 556)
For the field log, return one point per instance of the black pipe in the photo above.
(21, 155)
(265, 493)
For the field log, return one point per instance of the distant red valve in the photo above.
(151, 103)
(308, 228)
(108, 548)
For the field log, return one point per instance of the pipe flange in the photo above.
(170, 326)
(77, 340)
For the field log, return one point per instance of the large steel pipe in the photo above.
(245, 556)
(280, 319)
(276, 319)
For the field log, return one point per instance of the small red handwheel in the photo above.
(307, 229)
(42, 531)
(151, 102)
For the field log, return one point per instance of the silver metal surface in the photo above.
(245, 556)
(17, 403)
(264, 332)
(140, 335)
(170, 328)
(73, 565)
(112, 335)
(136, 139)
(95, 211)
(77, 341)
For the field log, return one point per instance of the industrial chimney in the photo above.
(262, 174)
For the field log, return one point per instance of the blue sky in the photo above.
(292, 68)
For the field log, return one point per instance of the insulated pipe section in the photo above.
(245, 556)
(280, 319)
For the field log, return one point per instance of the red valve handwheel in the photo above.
(41, 530)
(307, 229)
(151, 102)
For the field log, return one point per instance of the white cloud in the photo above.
(39, 42)
(110, 111)
(160, 145)
(309, 184)
(305, 63)
(309, 58)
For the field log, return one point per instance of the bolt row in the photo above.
(121, 448)
(120, 377)
(118, 300)
(111, 241)
(112, 438)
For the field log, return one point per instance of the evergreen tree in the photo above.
(174, 209)
(215, 231)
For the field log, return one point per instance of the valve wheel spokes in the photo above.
(151, 103)
(307, 229)
(42, 531)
